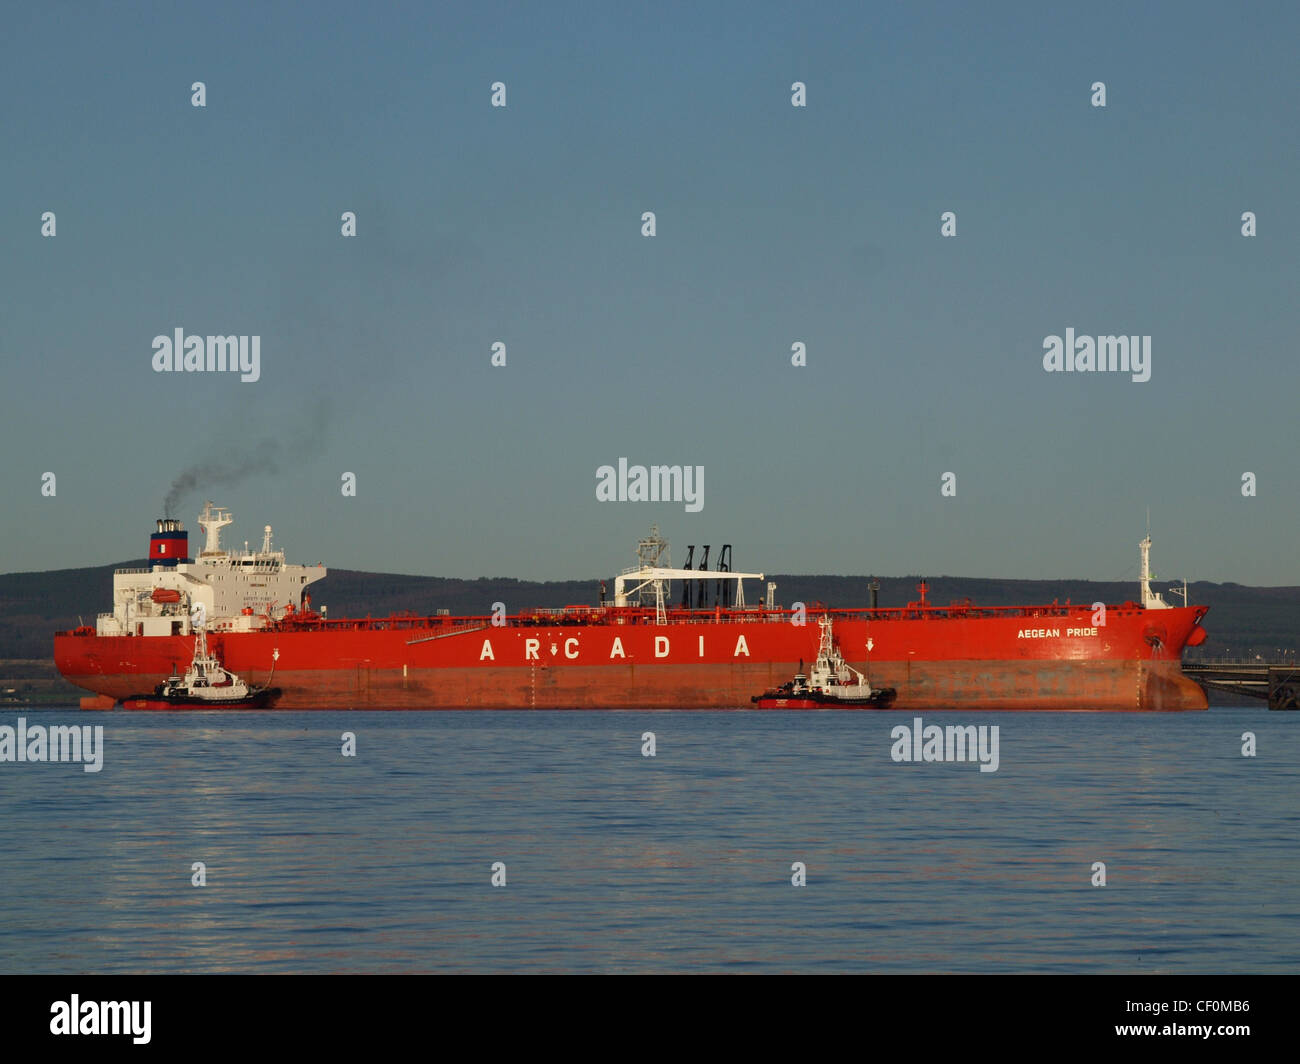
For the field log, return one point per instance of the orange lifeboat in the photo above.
(165, 594)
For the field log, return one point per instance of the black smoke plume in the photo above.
(222, 474)
(263, 457)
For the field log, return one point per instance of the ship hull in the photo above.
(1051, 658)
(882, 699)
(264, 699)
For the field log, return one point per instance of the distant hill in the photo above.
(35, 605)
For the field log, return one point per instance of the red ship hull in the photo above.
(1035, 658)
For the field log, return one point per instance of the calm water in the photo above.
(616, 862)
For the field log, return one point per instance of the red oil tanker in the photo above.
(637, 652)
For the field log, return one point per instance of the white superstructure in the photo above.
(226, 590)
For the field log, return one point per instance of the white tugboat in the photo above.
(832, 683)
(206, 685)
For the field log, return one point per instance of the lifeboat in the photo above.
(165, 594)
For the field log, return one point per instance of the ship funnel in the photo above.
(170, 545)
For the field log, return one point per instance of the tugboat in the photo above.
(205, 685)
(833, 683)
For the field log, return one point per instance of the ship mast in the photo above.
(651, 555)
(212, 520)
(1150, 599)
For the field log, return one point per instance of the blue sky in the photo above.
(775, 225)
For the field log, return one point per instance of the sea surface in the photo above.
(681, 862)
